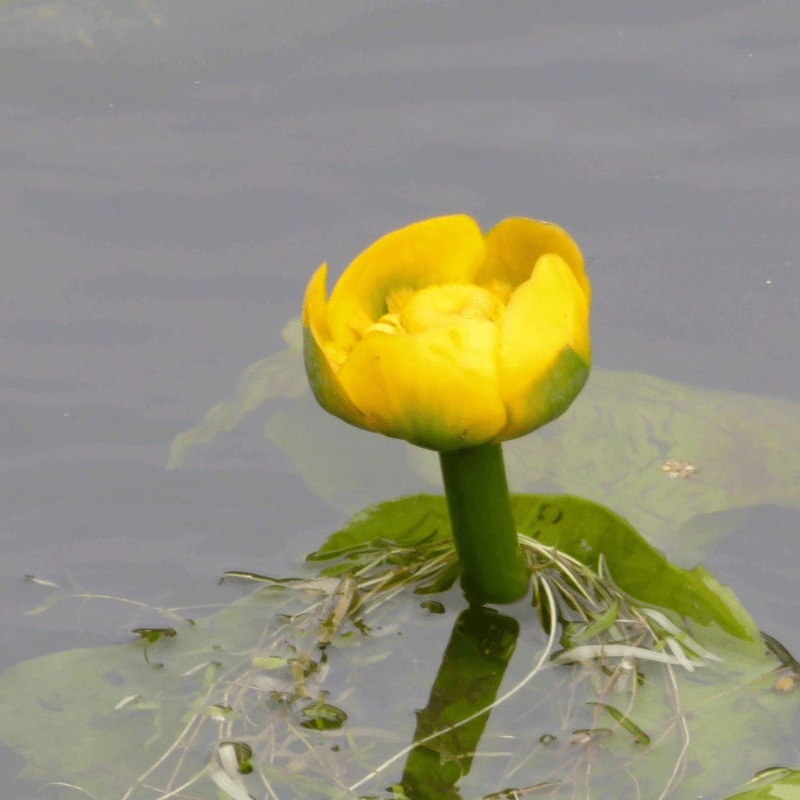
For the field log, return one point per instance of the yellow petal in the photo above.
(436, 251)
(544, 346)
(436, 389)
(514, 245)
(320, 370)
(315, 306)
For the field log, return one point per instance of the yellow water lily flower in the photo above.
(448, 338)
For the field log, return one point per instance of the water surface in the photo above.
(170, 178)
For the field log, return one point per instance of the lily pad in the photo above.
(582, 529)
(611, 446)
(786, 786)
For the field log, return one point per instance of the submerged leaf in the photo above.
(639, 736)
(41, 581)
(243, 753)
(154, 634)
(224, 771)
(255, 576)
(603, 622)
(279, 375)
(441, 583)
(322, 717)
(612, 443)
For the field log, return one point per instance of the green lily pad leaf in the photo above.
(584, 530)
(587, 531)
(616, 439)
(740, 450)
(419, 518)
(785, 787)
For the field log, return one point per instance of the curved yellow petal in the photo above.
(514, 245)
(320, 369)
(315, 305)
(437, 389)
(544, 346)
(435, 251)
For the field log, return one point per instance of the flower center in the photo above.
(441, 307)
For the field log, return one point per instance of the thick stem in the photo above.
(492, 566)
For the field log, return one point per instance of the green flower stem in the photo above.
(493, 569)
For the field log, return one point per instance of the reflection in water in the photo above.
(472, 669)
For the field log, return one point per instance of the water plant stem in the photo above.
(493, 569)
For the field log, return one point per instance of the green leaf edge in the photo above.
(581, 528)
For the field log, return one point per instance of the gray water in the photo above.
(170, 178)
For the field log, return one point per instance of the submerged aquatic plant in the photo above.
(267, 697)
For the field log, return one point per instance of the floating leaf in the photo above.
(322, 717)
(785, 787)
(612, 443)
(582, 529)
(419, 519)
(154, 634)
